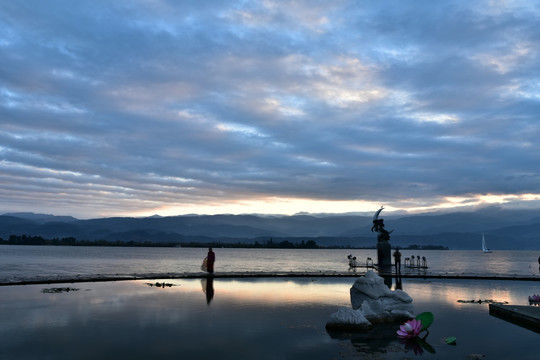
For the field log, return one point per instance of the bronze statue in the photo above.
(378, 227)
(384, 255)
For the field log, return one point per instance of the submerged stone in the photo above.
(346, 319)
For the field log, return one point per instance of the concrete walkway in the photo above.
(230, 275)
(522, 315)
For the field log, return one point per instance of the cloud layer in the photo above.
(130, 107)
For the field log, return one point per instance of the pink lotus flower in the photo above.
(410, 329)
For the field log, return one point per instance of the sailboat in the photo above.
(484, 247)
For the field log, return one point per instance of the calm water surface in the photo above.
(244, 319)
(248, 319)
(64, 262)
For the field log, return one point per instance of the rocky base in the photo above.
(372, 302)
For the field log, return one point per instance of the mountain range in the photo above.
(503, 229)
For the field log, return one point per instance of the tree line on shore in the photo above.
(71, 241)
(270, 243)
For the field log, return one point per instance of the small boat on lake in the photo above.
(484, 247)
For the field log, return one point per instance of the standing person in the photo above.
(397, 260)
(210, 259)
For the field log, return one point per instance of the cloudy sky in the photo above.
(136, 108)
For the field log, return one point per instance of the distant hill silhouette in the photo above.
(504, 229)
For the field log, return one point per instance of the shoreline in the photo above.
(254, 275)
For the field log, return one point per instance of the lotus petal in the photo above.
(410, 329)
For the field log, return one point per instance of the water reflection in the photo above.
(382, 339)
(378, 340)
(208, 288)
(399, 283)
(263, 319)
(418, 345)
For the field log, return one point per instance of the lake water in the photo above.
(260, 318)
(249, 319)
(23, 263)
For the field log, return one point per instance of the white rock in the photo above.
(348, 316)
(371, 308)
(401, 295)
(371, 285)
(402, 313)
(372, 300)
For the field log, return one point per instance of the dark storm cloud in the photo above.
(109, 107)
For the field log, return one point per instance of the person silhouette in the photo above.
(397, 260)
(210, 259)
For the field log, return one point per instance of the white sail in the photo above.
(484, 247)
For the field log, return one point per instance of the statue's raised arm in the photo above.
(378, 226)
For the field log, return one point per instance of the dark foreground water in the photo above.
(248, 319)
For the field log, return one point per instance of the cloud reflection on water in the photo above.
(245, 318)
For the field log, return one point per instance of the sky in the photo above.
(135, 108)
